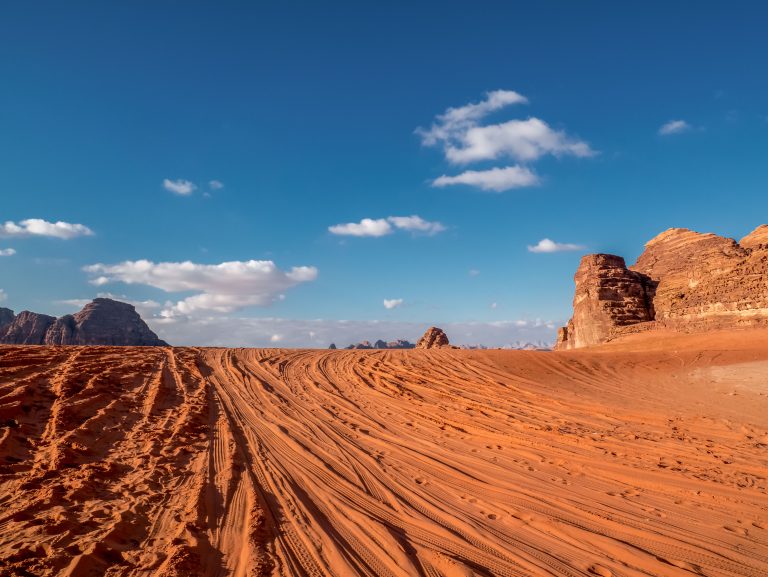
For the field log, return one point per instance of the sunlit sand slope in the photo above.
(647, 457)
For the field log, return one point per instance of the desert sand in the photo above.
(646, 456)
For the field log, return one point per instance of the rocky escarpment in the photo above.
(101, 322)
(434, 338)
(684, 280)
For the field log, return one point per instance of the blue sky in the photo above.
(316, 116)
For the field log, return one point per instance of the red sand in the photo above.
(647, 456)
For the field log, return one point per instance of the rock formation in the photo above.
(100, 322)
(26, 328)
(684, 280)
(608, 295)
(434, 338)
(380, 344)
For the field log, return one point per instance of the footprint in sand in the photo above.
(600, 570)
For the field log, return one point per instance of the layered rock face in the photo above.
(608, 295)
(434, 338)
(100, 322)
(684, 280)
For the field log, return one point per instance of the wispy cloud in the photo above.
(464, 140)
(3, 295)
(220, 288)
(375, 227)
(39, 227)
(495, 179)
(547, 245)
(366, 227)
(392, 303)
(215, 184)
(455, 121)
(233, 331)
(674, 127)
(415, 223)
(7, 251)
(180, 186)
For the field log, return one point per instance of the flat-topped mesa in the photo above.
(608, 295)
(684, 280)
(434, 338)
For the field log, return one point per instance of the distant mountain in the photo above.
(100, 322)
(398, 344)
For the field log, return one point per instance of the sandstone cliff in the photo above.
(608, 295)
(684, 280)
(100, 322)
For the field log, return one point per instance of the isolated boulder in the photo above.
(434, 338)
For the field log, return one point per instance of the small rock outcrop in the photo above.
(101, 322)
(381, 344)
(434, 338)
(684, 280)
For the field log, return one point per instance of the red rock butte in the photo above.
(685, 281)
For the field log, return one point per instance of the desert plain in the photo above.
(647, 456)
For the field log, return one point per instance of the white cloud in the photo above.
(473, 272)
(674, 127)
(464, 140)
(547, 245)
(221, 288)
(494, 305)
(495, 179)
(40, 227)
(215, 184)
(454, 121)
(522, 140)
(276, 338)
(233, 331)
(3, 295)
(179, 186)
(415, 223)
(7, 251)
(392, 303)
(366, 227)
(383, 226)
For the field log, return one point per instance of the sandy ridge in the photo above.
(244, 462)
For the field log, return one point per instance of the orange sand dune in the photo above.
(647, 456)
